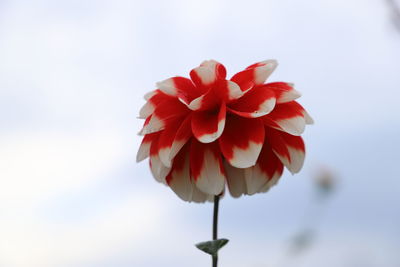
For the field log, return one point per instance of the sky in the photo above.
(72, 79)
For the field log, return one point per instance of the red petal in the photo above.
(203, 77)
(144, 149)
(182, 136)
(242, 140)
(207, 126)
(206, 101)
(255, 74)
(216, 67)
(220, 91)
(206, 167)
(181, 87)
(155, 98)
(284, 92)
(288, 117)
(254, 103)
(288, 148)
(179, 179)
(165, 113)
(158, 169)
(265, 173)
(165, 141)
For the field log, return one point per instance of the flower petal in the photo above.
(203, 76)
(165, 142)
(181, 87)
(154, 99)
(288, 117)
(165, 113)
(200, 197)
(227, 90)
(216, 67)
(144, 149)
(172, 86)
(206, 167)
(182, 136)
(284, 92)
(262, 70)
(269, 167)
(235, 178)
(255, 74)
(206, 101)
(288, 148)
(145, 125)
(207, 126)
(150, 94)
(158, 169)
(179, 179)
(242, 140)
(307, 117)
(254, 103)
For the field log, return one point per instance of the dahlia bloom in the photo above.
(203, 132)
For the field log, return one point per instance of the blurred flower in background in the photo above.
(394, 7)
(324, 183)
(325, 180)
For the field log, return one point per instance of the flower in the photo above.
(204, 131)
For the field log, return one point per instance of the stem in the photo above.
(215, 228)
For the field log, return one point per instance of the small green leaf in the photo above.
(212, 247)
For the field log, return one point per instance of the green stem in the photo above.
(215, 229)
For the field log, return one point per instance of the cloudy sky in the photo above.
(72, 77)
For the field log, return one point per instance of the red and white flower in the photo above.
(203, 132)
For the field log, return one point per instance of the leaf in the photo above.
(212, 247)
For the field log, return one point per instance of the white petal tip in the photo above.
(167, 86)
(308, 118)
(296, 94)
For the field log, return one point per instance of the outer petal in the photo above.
(254, 103)
(158, 169)
(242, 140)
(200, 197)
(284, 92)
(165, 113)
(167, 137)
(235, 178)
(288, 148)
(145, 125)
(289, 117)
(180, 87)
(206, 167)
(182, 136)
(265, 173)
(154, 98)
(207, 126)
(255, 74)
(262, 70)
(150, 94)
(179, 179)
(144, 149)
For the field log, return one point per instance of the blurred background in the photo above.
(72, 77)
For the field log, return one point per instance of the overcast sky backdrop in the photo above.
(72, 77)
